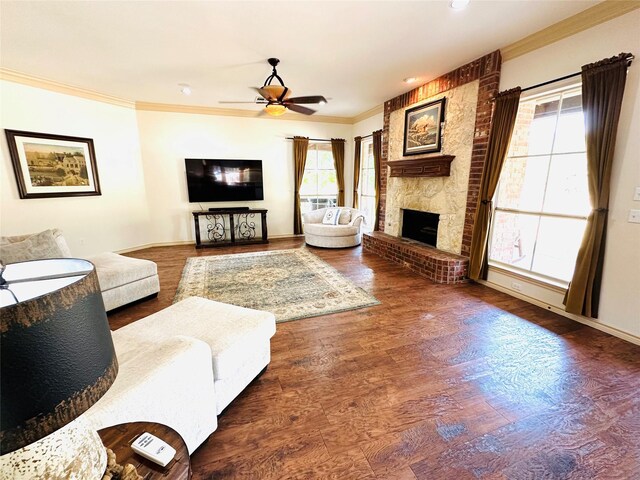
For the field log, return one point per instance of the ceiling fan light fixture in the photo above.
(275, 110)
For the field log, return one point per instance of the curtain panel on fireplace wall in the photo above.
(504, 120)
(377, 157)
(356, 169)
(602, 90)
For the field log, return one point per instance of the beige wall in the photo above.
(620, 300)
(115, 220)
(168, 138)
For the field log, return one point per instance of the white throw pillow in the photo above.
(345, 217)
(331, 216)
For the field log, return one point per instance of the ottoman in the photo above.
(124, 279)
(170, 382)
(239, 339)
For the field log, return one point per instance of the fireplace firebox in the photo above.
(420, 226)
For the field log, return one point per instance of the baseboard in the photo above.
(188, 242)
(577, 318)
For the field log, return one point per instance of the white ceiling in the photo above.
(355, 53)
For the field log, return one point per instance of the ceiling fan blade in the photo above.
(231, 101)
(309, 99)
(299, 109)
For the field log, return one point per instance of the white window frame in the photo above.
(528, 273)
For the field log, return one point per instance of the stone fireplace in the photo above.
(420, 226)
(444, 183)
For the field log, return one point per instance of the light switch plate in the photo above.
(634, 216)
(636, 194)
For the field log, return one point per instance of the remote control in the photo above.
(154, 449)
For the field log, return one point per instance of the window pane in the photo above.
(371, 183)
(522, 183)
(543, 126)
(327, 182)
(570, 131)
(567, 188)
(367, 206)
(363, 181)
(325, 160)
(309, 183)
(557, 247)
(513, 238)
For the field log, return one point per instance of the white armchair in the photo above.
(348, 232)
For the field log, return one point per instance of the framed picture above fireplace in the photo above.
(423, 128)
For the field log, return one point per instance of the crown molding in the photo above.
(46, 84)
(232, 112)
(368, 114)
(58, 87)
(600, 13)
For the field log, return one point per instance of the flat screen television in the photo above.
(210, 180)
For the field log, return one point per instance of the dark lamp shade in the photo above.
(56, 353)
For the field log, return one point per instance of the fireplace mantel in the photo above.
(431, 166)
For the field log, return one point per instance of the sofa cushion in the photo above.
(330, 230)
(32, 247)
(230, 331)
(116, 270)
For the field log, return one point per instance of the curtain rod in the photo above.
(566, 77)
(313, 139)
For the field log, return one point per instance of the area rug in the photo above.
(291, 284)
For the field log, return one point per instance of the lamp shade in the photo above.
(57, 356)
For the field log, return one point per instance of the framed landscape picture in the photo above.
(423, 128)
(53, 165)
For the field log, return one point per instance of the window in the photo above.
(367, 184)
(542, 199)
(319, 185)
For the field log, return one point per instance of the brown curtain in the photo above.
(377, 155)
(356, 169)
(602, 90)
(337, 148)
(504, 119)
(300, 147)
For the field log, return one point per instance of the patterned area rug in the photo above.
(292, 284)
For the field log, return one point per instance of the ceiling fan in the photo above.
(276, 97)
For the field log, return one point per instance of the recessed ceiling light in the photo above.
(459, 4)
(184, 89)
(410, 79)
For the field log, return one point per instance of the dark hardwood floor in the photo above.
(438, 382)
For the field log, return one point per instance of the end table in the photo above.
(120, 437)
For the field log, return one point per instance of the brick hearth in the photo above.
(436, 265)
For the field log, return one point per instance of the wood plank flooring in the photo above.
(438, 382)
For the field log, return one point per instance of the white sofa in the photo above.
(183, 365)
(122, 279)
(348, 232)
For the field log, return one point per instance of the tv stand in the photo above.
(229, 209)
(230, 226)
